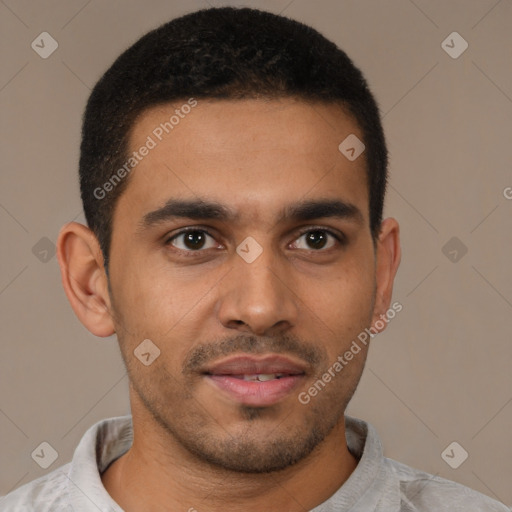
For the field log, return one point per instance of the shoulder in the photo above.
(76, 485)
(422, 492)
(45, 494)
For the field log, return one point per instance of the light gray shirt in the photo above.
(378, 484)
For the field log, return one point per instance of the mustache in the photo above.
(202, 354)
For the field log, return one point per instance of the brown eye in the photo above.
(316, 239)
(191, 240)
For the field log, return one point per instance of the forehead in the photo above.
(253, 155)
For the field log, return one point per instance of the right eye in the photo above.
(191, 240)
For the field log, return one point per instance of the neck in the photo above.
(158, 474)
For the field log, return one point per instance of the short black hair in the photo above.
(219, 53)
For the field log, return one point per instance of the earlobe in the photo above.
(388, 260)
(84, 279)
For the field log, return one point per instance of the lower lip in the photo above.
(255, 393)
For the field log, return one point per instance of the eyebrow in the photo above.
(199, 209)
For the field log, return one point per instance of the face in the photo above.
(241, 248)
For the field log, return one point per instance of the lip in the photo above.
(247, 364)
(226, 376)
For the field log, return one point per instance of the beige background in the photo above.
(440, 373)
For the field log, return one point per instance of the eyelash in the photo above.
(340, 238)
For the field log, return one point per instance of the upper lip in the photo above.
(252, 365)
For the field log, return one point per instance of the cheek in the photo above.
(149, 298)
(344, 302)
(164, 305)
(351, 282)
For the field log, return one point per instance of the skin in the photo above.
(194, 448)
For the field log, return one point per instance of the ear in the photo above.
(84, 278)
(388, 254)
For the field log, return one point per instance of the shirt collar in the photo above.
(371, 484)
(104, 442)
(371, 487)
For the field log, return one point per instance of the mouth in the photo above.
(255, 381)
(259, 377)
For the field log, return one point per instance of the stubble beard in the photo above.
(255, 448)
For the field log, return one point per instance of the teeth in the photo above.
(262, 377)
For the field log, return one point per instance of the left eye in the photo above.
(192, 240)
(316, 239)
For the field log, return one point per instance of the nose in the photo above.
(258, 297)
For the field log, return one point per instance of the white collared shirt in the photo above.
(378, 484)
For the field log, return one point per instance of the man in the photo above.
(232, 171)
